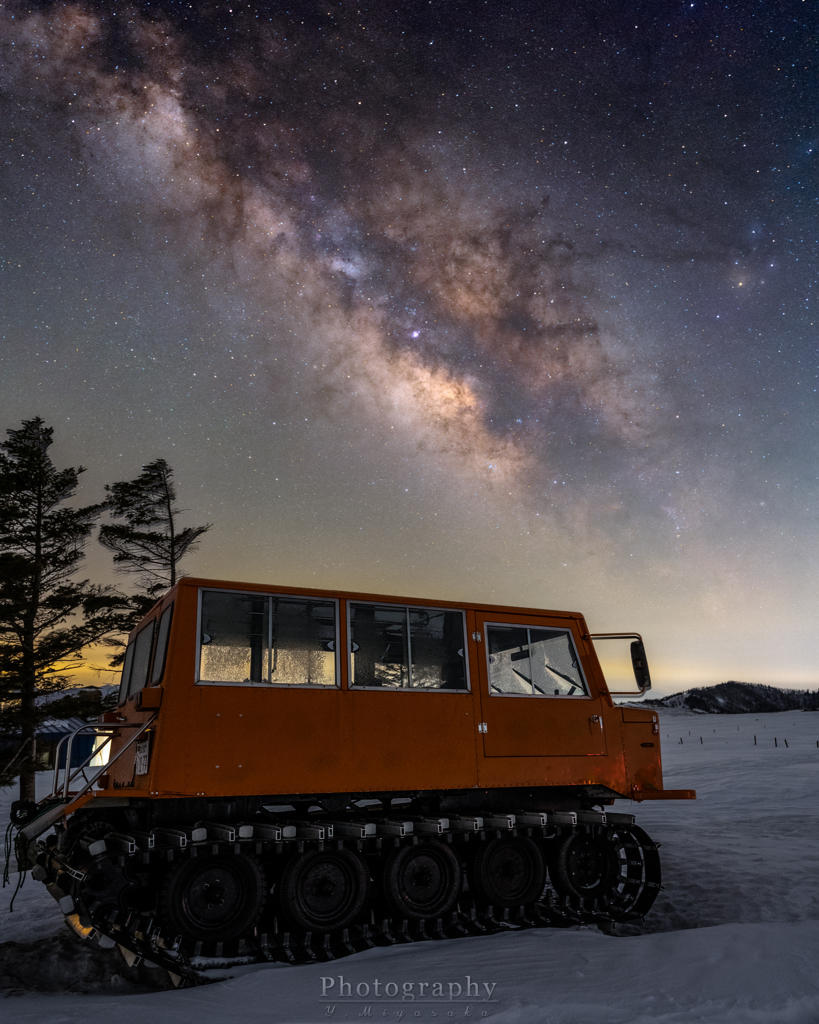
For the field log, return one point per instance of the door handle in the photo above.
(598, 719)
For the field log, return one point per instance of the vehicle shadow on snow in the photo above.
(64, 963)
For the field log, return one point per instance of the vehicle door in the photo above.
(536, 700)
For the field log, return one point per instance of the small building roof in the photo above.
(56, 727)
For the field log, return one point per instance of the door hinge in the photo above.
(482, 727)
(477, 638)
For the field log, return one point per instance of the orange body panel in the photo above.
(226, 740)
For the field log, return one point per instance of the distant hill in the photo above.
(76, 691)
(85, 702)
(733, 698)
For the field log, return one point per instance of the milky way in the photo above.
(540, 270)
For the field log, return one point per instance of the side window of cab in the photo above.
(137, 662)
(139, 665)
(526, 661)
(400, 647)
(250, 639)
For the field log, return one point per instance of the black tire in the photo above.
(323, 891)
(508, 872)
(105, 885)
(422, 881)
(585, 865)
(212, 899)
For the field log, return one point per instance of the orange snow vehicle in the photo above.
(298, 774)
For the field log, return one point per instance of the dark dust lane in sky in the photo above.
(499, 298)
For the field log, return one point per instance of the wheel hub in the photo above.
(213, 896)
(588, 865)
(510, 870)
(325, 889)
(214, 893)
(423, 880)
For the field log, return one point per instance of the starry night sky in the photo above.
(509, 302)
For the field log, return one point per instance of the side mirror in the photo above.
(640, 664)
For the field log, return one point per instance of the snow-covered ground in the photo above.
(734, 938)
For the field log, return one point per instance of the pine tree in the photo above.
(46, 616)
(148, 542)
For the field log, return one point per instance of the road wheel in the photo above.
(508, 872)
(214, 898)
(324, 890)
(585, 865)
(422, 881)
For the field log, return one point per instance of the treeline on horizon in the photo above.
(735, 698)
(47, 615)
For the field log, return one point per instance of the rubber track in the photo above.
(143, 936)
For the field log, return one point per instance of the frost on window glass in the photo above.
(256, 638)
(303, 642)
(397, 647)
(533, 662)
(234, 637)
